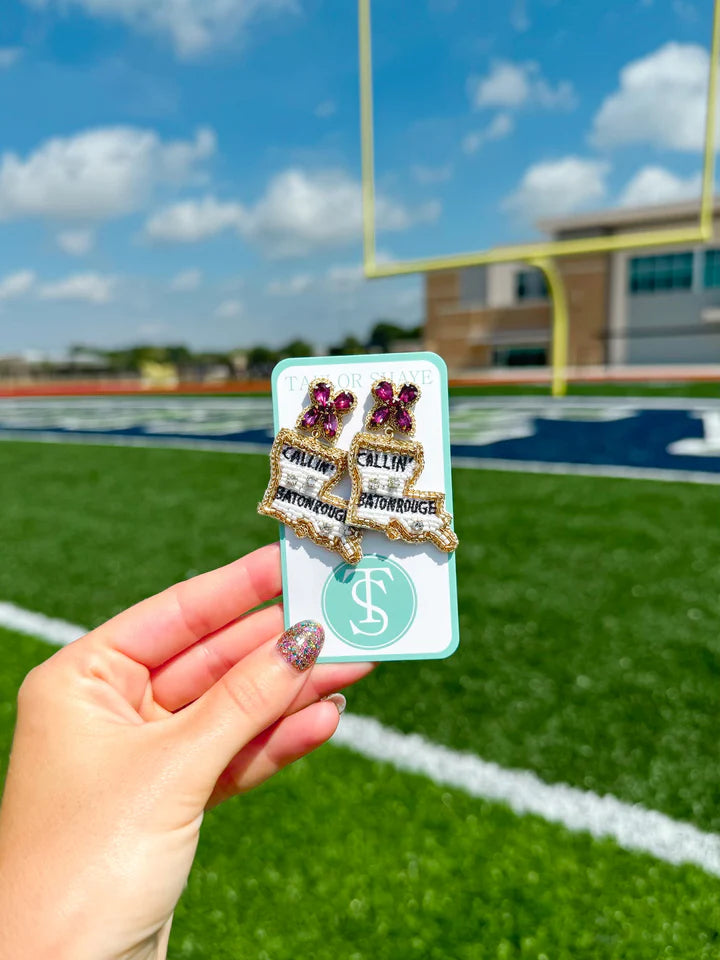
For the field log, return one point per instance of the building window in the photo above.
(520, 357)
(673, 271)
(531, 285)
(712, 268)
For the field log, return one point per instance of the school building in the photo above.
(653, 307)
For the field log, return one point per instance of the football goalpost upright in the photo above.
(542, 255)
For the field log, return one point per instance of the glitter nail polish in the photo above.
(302, 643)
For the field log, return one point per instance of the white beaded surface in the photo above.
(385, 482)
(307, 482)
(391, 483)
(430, 521)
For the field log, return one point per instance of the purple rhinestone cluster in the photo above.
(389, 408)
(321, 417)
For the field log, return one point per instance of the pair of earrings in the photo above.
(383, 468)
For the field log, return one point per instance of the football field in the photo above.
(589, 658)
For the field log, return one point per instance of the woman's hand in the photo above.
(126, 736)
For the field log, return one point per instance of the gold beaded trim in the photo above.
(351, 548)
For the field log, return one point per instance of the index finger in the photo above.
(157, 629)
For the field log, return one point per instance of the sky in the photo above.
(188, 171)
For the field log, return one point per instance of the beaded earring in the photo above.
(305, 466)
(383, 471)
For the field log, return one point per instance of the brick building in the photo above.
(655, 306)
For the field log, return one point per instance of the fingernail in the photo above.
(339, 700)
(301, 644)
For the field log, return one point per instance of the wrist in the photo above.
(51, 934)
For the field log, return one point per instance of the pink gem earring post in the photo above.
(383, 470)
(305, 466)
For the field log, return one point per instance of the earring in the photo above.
(304, 467)
(383, 471)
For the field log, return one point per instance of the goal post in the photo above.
(544, 254)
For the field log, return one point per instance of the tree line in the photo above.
(385, 336)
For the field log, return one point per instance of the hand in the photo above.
(126, 736)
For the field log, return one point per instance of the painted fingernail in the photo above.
(339, 700)
(301, 644)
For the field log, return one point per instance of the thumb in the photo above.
(246, 700)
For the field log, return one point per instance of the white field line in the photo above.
(113, 440)
(57, 632)
(587, 470)
(632, 827)
(464, 463)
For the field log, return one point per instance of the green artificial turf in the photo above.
(590, 654)
(340, 857)
(344, 858)
(589, 608)
(701, 388)
(696, 388)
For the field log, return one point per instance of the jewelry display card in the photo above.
(366, 512)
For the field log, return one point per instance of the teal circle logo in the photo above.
(370, 605)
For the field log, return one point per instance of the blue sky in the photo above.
(188, 170)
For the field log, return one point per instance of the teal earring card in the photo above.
(399, 602)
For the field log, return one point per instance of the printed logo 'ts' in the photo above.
(369, 605)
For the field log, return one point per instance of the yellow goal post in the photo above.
(542, 254)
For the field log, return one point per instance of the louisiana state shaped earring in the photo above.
(384, 469)
(305, 466)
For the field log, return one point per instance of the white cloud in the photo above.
(558, 187)
(193, 220)
(97, 174)
(338, 278)
(512, 85)
(186, 281)
(662, 100)
(304, 211)
(501, 126)
(327, 108)
(656, 185)
(9, 56)
(290, 287)
(193, 26)
(428, 175)
(16, 284)
(299, 212)
(76, 242)
(90, 287)
(345, 276)
(229, 310)
(507, 85)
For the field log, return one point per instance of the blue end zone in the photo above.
(671, 436)
(642, 440)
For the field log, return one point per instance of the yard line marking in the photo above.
(459, 463)
(113, 440)
(587, 470)
(545, 403)
(57, 632)
(631, 826)
(464, 463)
